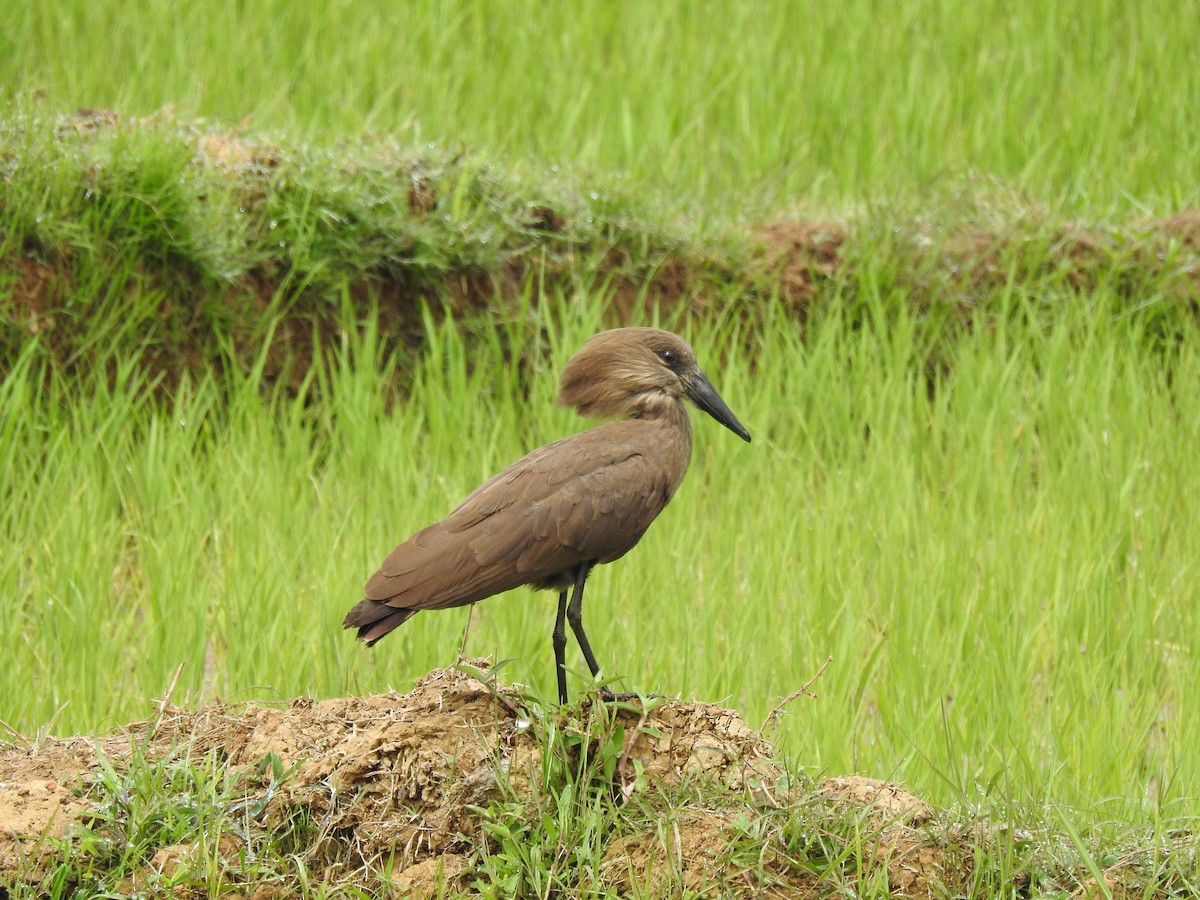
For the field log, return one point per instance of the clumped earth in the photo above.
(395, 791)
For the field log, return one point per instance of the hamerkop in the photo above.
(581, 501)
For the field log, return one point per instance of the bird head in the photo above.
(639, 372)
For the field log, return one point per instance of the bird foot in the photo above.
(626, 696)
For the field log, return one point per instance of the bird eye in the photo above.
(668, 356)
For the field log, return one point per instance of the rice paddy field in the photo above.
(281, 283)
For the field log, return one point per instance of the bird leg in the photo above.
(575, 617)
(559, 639)
(573, 613)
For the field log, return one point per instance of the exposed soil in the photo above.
(401, 773)
(799, 256)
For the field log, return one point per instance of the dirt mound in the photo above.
(406, 778)
(799, 256)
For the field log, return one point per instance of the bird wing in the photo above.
(589, 497)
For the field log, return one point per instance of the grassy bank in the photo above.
(186, 248)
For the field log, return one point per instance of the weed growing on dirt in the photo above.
(188, 248)
(172, 823)
(554, 839)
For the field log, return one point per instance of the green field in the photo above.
(999, 573)
(726, 109)
(976, 495)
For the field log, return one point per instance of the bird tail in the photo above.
(374, 619)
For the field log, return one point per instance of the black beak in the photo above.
(705, 396)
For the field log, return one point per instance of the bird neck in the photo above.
(674, 442)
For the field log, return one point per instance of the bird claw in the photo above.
(626, 696)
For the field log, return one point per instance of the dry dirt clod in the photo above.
(799, 255)
(890, 803)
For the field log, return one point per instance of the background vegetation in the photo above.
(732, 109)
(282, 283)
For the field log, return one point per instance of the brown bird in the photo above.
(573, 504)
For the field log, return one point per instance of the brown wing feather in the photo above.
(587, 497)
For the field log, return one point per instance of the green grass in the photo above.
(1000, 570)
(725, 110)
